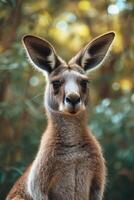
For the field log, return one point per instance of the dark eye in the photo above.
(84, 83)
(56, 85)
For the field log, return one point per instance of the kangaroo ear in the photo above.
(41, 53)
(93, 55)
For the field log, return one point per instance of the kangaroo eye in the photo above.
(84, 83)
(56, 85)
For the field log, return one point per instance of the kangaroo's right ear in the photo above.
(41, 53)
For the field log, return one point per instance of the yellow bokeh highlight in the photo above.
(126, 84)
(84, 5)
(118, 43)
(81, 29)
(74, 34)
(44, 19)
(60, 35)
(75, 43)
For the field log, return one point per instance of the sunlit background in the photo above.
(68, 25)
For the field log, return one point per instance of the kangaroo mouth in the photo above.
(73, 110)
(70, 109)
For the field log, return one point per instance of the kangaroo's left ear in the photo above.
(93, 55)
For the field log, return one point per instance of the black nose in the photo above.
(73, 99)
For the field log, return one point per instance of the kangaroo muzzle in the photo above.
(72, 102)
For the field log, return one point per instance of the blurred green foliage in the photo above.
(112, 122)
(68, 25)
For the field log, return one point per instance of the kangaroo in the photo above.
(69, 164)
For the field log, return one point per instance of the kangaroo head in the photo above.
(67, 83)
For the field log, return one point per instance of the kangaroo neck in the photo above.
(68, 129)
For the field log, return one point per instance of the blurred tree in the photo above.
(69, 25)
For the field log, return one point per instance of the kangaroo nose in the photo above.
(73, 99)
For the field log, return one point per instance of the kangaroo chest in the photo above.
(72, 177)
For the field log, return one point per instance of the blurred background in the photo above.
(68, 25)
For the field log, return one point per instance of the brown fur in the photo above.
(67, 144)
(69, 164)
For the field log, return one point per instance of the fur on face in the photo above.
(67, 85)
